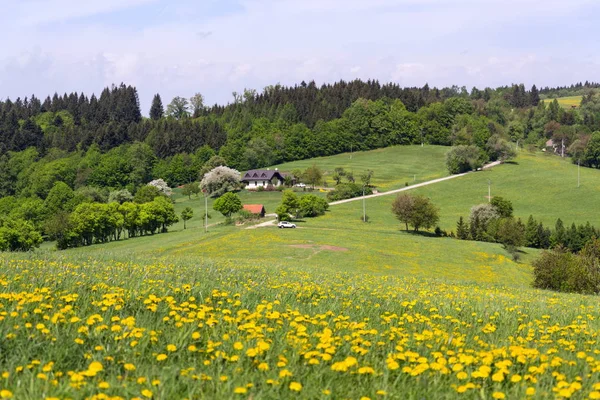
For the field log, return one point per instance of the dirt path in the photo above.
(490, 165)
(263, 224)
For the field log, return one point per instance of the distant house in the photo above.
(257, 209)
(263, 177)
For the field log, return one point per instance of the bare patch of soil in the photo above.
(317, 247)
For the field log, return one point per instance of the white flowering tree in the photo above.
(220, 180)
(162, 186)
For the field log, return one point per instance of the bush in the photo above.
(465, 158)
(347, 191)
(18, 235)
(563, 271)
(312, 206)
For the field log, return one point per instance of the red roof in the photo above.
(254, 208)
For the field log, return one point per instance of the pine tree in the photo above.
(559, 235)
(462, 231)
(532, 238)
(534, 96)
(156, 110)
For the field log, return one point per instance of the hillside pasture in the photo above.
(567, 102)
(393, 167)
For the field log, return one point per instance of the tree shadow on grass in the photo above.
(511, 162)
(420, 233)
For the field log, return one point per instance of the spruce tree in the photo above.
(462, 231)
(534, 96)
(559, 235)
(531, 233)
(156, 110)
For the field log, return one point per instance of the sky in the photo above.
(216, 47)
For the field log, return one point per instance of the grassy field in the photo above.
(541, 185)
(337, 308)
(95, 328)
(566, 102)
(393, 167)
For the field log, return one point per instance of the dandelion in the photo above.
(6, 394)
(240, 390)
(161, 357)
(129, 367)
(296, 386)
(498, 395)
(147, 393)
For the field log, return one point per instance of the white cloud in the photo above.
(442, 42)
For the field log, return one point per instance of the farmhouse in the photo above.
(256, 209)
(263, 177)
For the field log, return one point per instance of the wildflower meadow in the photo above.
(74, 329)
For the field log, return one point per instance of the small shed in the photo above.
(256, 209)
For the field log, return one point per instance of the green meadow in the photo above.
(393, 167)
(566, 102)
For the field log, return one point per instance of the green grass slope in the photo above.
(393, 167)
(566, 102)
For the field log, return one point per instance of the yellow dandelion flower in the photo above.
(296, 386)
(498, 395)
(5, 394)
(240, 390)
(129, 367)
(263, 366)
(161, 357)
(171, 348)
(147, 393)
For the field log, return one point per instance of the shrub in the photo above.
(563, 271)
(312, 206)
(347, 191)
(465, 158)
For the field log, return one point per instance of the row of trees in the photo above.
(494, 222)
(93, 223)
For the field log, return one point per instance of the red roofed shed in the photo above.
(258, 209)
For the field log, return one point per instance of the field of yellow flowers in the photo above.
(110, 330)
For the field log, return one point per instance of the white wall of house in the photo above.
(257, 184)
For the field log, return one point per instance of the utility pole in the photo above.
(364, 206)
(205, 212)
(562, 151)
(489, 191)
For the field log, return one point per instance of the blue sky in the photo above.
(181, 47)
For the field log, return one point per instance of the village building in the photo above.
(256, 209)
(256, 178)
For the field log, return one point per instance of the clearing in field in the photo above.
(567, 102)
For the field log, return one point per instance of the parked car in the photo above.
(300, 185)
(285, 224)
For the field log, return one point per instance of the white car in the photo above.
(300, 185)
(285, 224)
